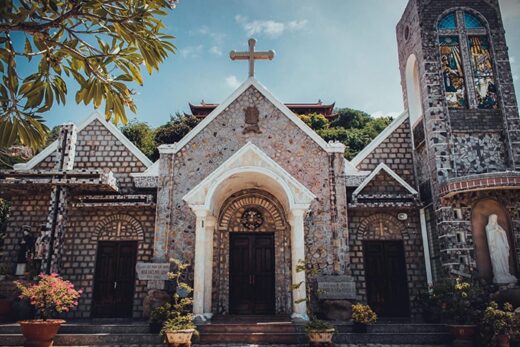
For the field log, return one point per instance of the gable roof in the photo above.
(332, 147)
(379, 139)
(395, 176)
(108, 125)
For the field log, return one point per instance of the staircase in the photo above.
(236, 331)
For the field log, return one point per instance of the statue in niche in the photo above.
(252, 116)
(25, 250)
(498, 251)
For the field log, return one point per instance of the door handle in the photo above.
(115, 284)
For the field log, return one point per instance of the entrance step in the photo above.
(219, 333)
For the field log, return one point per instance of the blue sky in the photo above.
(341, 51)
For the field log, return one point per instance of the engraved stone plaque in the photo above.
(336, 287)
(152, 271)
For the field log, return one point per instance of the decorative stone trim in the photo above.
(499, 180)
(118, 227)
(396, 229)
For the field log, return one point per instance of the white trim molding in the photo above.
(379, 139)
(392, 173)
(109, 126)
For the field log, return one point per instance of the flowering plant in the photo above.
(363, 314)
(50, 295)
(499, 321)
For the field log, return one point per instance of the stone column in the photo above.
(297, 254)
(199, 263)
(208, 274)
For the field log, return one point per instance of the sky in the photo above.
(342, 51)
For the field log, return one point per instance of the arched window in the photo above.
(466, 62)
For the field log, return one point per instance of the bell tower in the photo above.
(458, 91)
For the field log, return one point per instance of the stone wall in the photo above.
(85, 228)
(364, 224)
(98, 148)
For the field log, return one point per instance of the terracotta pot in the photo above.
(463, 332)
(40, 333)
(321, 336)
(503, 340)
(359, 327)
(178, 337)
(5, 307)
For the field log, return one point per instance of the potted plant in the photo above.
(318, 331)
(498, 324)
(49, 296)
(362, 316)
(158, 316)
(179, 327)
(461, 304)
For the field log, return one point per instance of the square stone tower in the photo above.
(458, 90)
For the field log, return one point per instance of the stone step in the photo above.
(248, 328)
(89, 339)
(254, 338)
(86, 328)
(397, 328)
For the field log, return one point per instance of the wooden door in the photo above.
(114, 279)
(386, 280)
(251, 277)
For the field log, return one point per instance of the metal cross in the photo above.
(251, 55)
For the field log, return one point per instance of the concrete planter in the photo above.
(320, 336)
(40, 333)
(180, 337)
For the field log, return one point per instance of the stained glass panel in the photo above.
(452, 72)
(483, 76)
(448, 22)
(472, 22)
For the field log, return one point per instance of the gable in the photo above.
(393, 146)
(247, 85)
(101, 134)
(383, 183)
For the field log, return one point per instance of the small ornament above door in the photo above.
(252, 116)
(252, 219)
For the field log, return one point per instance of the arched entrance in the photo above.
(252, 255)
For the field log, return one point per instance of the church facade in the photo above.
(252, 191)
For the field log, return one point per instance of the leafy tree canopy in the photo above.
(173, 131)
(100, 45)
(141, 135)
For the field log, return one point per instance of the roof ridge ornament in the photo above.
(251, 56)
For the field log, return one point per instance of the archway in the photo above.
(413, 91)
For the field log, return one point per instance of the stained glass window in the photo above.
(472, 22)
(452, 72)
(448, 22)
(483, 76)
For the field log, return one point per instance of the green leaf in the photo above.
(28, 49)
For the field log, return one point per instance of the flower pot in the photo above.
(503, 340)
(5, 307)
(179, 337)
(359, 327)
(463, 332)
(320, 336)
(40, 333)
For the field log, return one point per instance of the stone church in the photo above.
(252, 190)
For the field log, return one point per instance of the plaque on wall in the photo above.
(340, 287)
(152, 271)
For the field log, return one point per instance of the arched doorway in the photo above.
(252, 256)
(479, 219)
(117, 240)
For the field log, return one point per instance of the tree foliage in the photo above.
(141, 135)
(101, 45)
(354, 128)
(173, 131)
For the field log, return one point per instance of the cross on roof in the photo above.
(251, 55)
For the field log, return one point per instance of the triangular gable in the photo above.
(391, 173)
(250, 158)
(378, 140)
(49, 150)
(335, 147)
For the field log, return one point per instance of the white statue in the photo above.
(499, 251)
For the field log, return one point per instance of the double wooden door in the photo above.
(251, 273)
(114, 279)
(386, 280)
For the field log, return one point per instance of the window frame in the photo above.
(464, 35)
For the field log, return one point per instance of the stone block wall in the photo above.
(364, 224)
(85, 227)
(98, 148)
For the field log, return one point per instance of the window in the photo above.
(466, 62)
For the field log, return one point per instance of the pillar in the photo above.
(199, 264)
(297, 254)
(208, 275)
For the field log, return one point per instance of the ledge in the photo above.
(487, 181)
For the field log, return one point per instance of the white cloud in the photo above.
(270, 28)
(512, 60)
(191, 51)
(216, 50)
(233, 82)
(379, 114)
